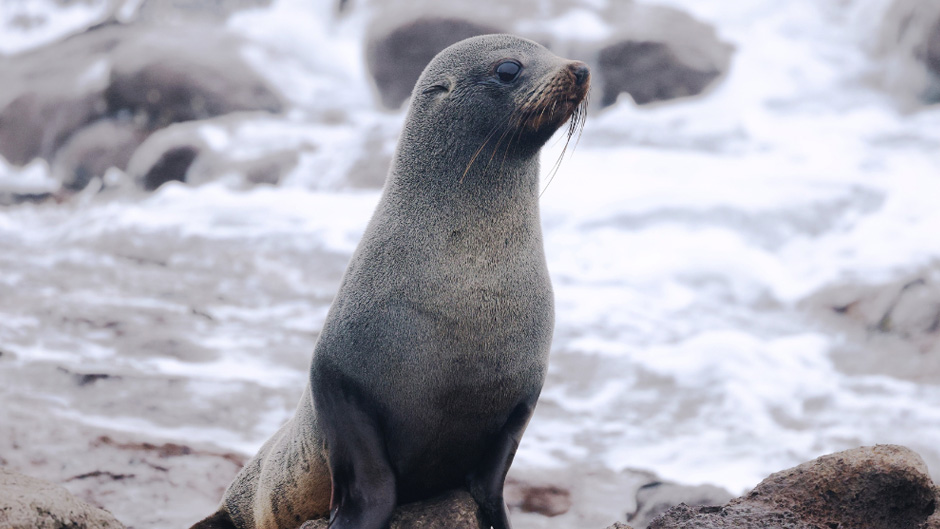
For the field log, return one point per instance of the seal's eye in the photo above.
(508, 70)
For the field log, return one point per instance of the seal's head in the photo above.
(499, 90)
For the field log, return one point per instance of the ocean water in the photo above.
(682, 239)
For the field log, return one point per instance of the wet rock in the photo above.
(31, 503)
(94, 149)
(453, 510)
(649, 72)
(547, 500)
(182, 74)
(653, 53)
(880, 487)
(84, 103)
(36, 124)
(888, 328)
(202, 151)
(655, 498)
(396, 59)
(907, 52)
(662, 54)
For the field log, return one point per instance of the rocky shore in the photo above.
(879, 487)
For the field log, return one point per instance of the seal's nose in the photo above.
(581, 72)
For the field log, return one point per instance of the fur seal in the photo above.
(435, 349)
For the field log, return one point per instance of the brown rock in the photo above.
(547, 500)
(880, 487)
(31, 503)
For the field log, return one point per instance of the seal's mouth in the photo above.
(561, 97)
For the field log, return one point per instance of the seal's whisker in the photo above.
(483, 145)
(517, 130)
(575, 125)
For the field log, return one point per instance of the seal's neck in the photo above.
(465, 175)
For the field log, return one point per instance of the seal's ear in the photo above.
(441, 87)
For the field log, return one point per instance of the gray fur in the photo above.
(444, 318)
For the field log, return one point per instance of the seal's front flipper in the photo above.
(219, 520)
(486, 483)
(364, 489)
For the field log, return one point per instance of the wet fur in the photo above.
(435, 349)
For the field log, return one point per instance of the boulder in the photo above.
(654, 53)
(201, 151)
(907, 51)
(395, 60)
(97, 95)
(657, 54)
(888, 328)
(175, 74)
(880, 487)
(31, 503)
(92, 150)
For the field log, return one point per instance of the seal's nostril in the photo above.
(581, 72)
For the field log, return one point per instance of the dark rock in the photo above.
(659, 54)
(619, 525)
(880, 487)
(453, 510)
(649, 72)
(396, 60)
(31, 503)
(655, 498)
(172, 166)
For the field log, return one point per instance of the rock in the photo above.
(170, 167)
(187, 11)
(654, 53)
(659, 53)
(36, 124)
(94, 149)
(395, 60)
(907, 51)
(179, 74)
(619, 525)
(453, 510)
(31, 503)
(890, 328)
(197, 152)
(655, 498)
(99, 94)
(880, 487)
(649, 72)
(547, 500)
